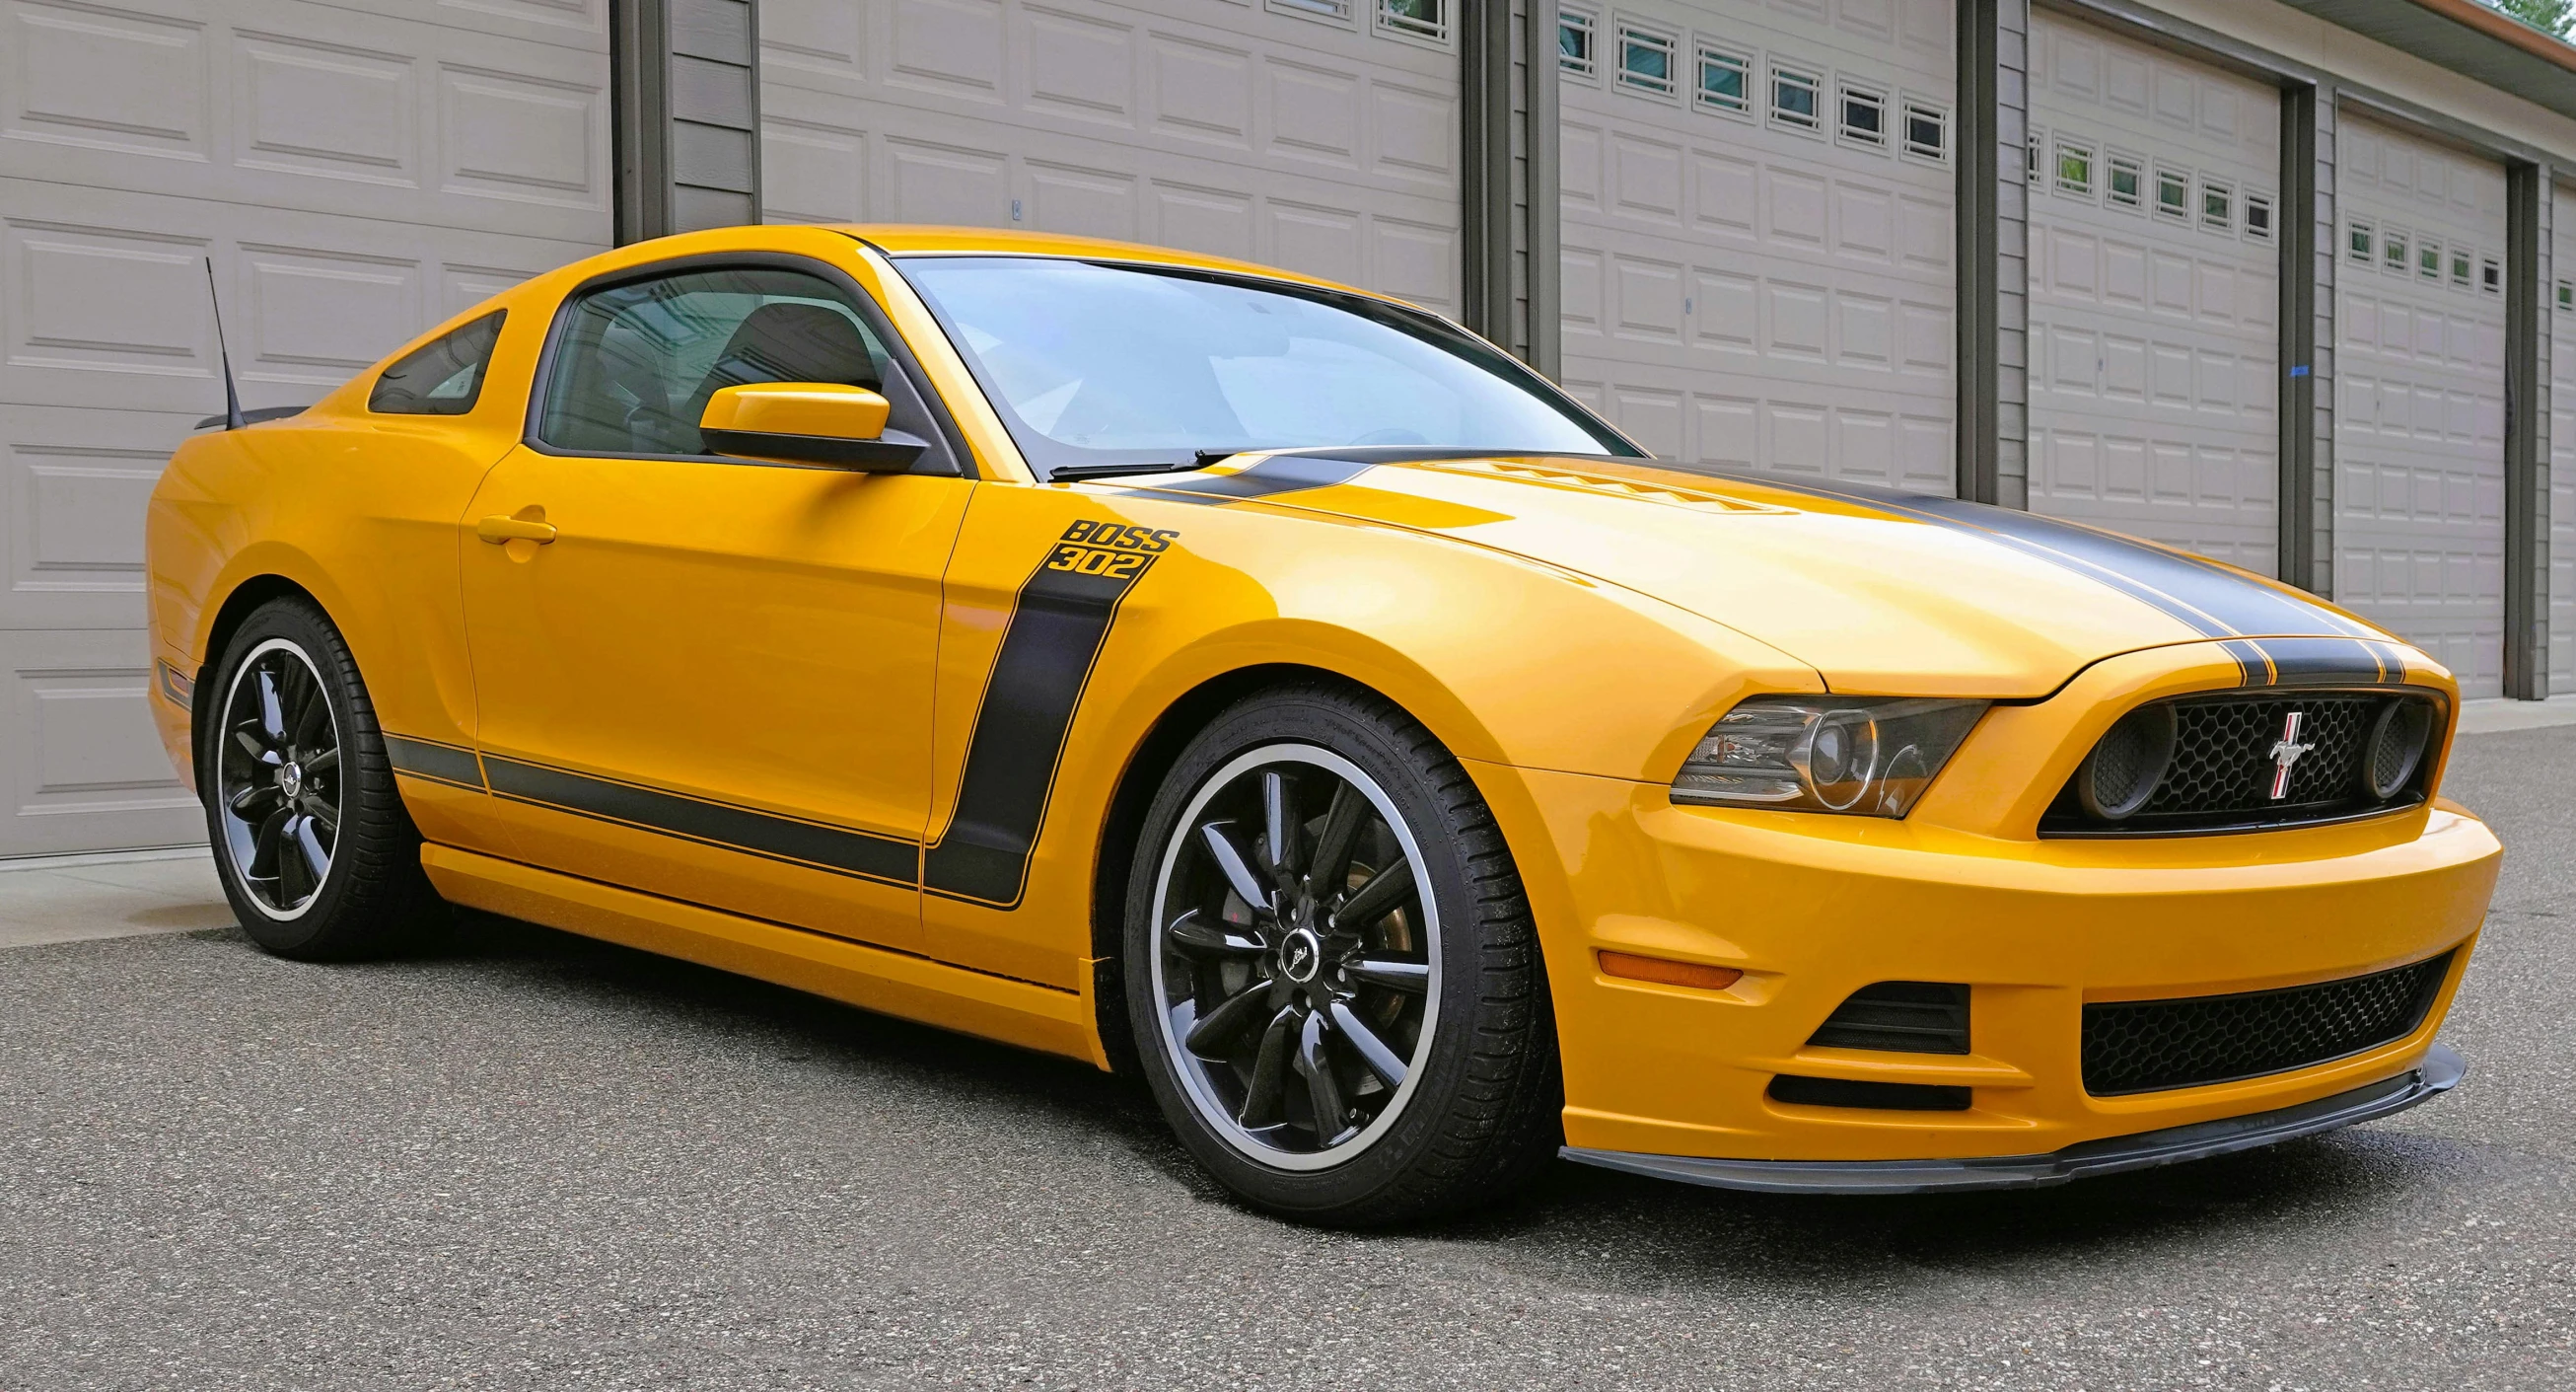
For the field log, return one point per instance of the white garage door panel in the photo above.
(413, 112)
(81, 764)
(1202, 124)
(2154, 324)
(2419, 415)
(2562, 447)
(1744, 293)
(356, 172)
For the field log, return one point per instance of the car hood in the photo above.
(1881, 592)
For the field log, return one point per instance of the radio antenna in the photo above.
(232, 395)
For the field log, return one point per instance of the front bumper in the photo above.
(2440, 1071)
(1811, 908)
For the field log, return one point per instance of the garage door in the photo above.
(1757, 232)
(2154, 294)
(2419, 415)
(2562, 448)
(356, 171)
(1319, 135)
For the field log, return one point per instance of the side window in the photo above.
(636, 364)
(442, 378)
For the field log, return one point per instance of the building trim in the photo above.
(2528, 195)
(1980, 197)
(1502, 66)
(684, 93)
(2307, 319)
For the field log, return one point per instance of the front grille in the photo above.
(2222, 770)
(1911, 1017)
(2149, 1046)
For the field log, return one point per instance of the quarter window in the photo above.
(635, 364)
(1797, 98)
(1927, 132)
(1725, 81)
(1645, 61)
(2128, 182)
(1574, 36)
(440, 378)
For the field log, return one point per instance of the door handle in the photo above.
(499, 530)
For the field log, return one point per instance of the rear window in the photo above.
(441, 378)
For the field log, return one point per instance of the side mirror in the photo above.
(825, 423)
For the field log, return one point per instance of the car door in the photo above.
(705, 678)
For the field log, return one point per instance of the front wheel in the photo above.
(1331, 970)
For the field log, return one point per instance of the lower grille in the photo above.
(1912, 1017)
(2149, 1046)
(1892, 1097)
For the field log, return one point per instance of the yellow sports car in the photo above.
(1279, 692)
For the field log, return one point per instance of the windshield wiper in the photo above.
(1199, 459)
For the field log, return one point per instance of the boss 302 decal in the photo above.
(1057, 627)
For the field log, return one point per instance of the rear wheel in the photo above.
(1331, 970)
(312, 844)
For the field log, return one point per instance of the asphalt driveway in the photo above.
(530, 1161)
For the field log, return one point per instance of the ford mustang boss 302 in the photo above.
(1276, 691)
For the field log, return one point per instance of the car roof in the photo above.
(913, 239)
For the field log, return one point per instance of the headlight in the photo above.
(1870, 756)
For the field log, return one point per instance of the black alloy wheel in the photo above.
(312, 843)
(1331, 972)
(1297, 957)
(277, 779)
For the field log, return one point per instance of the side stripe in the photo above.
(439, 763)
(862, 854)
(1057, 628)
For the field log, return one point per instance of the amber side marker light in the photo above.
(1667, 972)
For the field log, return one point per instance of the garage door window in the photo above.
(635, 364)
(1864, 116)
(1421, 19)
(2258, 216)
(2392, 252)
(1645, 62)
(1797, 98)
(2173, 194)
(2217, 206)
(1574, 42)
(1725, 81)
(1927, 132)
(443, 378)
(2128, 182)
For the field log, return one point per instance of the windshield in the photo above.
(1103, 364)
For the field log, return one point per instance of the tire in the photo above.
(1383, 973)
(293, 773)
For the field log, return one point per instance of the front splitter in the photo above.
(2440, 1071)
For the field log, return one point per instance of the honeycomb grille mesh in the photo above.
(2220, 777)
(2149, 1046)
(2223, 755)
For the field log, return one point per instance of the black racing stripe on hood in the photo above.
(2330, 662)
(2201, 594)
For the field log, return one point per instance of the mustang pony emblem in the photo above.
(2285, 752)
